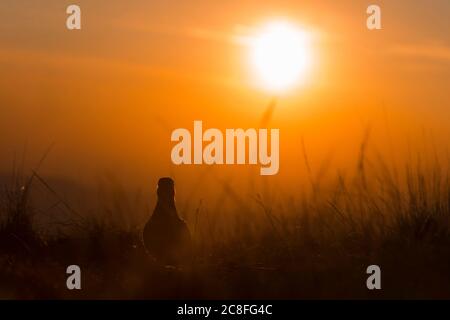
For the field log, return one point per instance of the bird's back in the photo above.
(167, 237)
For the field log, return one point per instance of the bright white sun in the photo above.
(280, 55)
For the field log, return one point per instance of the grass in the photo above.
(317, 245)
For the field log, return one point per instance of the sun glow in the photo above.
(280, 56)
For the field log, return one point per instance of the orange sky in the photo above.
(109, 95)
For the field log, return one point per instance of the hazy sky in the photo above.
(109, 95)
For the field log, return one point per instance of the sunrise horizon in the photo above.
(224, 151)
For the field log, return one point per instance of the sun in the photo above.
(280, 56)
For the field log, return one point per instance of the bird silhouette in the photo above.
(166, 236)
